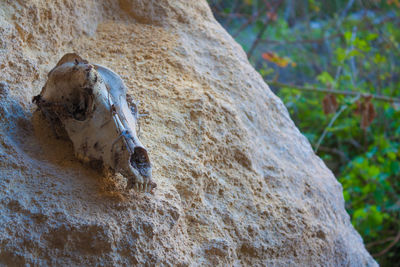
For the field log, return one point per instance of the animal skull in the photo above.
(88, 101)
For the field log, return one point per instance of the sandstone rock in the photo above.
(237, 182)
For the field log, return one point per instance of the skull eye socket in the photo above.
(140, 161)
(82, 105)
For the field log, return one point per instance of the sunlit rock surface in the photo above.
(237, 182)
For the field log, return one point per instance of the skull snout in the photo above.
(140, 161)
(141, 166)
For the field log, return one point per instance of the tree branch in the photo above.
(334, 118)
(335, 92)
(396, 239)
(249, 21)
(335, 151)
(310, 41)
(261, 32)
(258, 38)
(380, 242)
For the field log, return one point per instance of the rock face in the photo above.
(237, 182)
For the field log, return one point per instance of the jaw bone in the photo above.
(88, 102)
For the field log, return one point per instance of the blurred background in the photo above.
(335, 65)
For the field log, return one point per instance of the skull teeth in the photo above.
(143, 187)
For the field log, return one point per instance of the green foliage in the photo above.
(350, 48)
(369, 168)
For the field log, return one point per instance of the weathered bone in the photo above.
(89, 103)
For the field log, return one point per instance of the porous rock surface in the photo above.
(237, 182)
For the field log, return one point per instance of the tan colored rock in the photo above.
(237, 182)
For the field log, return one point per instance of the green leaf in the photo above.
(347, 36)
(359, 213)
(340, 54)
(346, 195)
(355, 53)
(391, 155)
(371, 36)
(378, 58)
(373, 171)
(362, 45)
(326, 78)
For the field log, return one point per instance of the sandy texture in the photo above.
(237, 182)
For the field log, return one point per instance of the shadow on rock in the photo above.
(30, 143)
